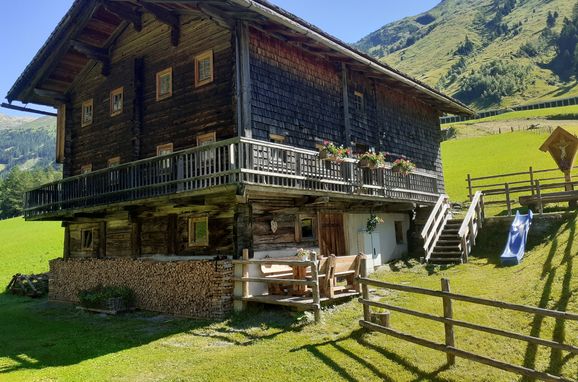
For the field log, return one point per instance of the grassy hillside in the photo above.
(433, 46)
(44, 342)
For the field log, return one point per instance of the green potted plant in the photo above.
(330, 151)
(371, 160)
(403, 166)
(303, 254)
(114, 299)
(372, 223)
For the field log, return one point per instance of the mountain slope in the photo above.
(459, 39)
(26, 142)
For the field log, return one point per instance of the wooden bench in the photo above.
(277, 271)
(340, 267)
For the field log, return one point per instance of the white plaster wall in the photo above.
(386, 249)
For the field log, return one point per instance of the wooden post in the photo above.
(531, 171)
(364, 289)
(382, 319)
(449, 328)
(315, 288)
(240, 289)
(569, 186)
(539, 193)
(508, 201)
(470, 187)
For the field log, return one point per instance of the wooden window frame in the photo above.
(86, 169)
(113, 93)
(82, 239)
(114, 176)
(201, 57)
(276, 138)
(299, 228)
(160, 75)
(165, 163)
(83, 119)
(192, 221)
(359, 106)
(112, 162)
(206, 138)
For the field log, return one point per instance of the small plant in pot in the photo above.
(372, 223)
(303, 254)
(403, 166)
(110, 298)
(330, 151)
(371, 160)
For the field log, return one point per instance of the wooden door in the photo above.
(331, 234)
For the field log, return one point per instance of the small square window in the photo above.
(116, 101)
(164, 84)
(87, 168)
(358, 102)
(86, 242)
(165, 150)
(276, 138)
(205, 139)
(199, 231)
(399, 232)
(114, 174)
(87, 112)
(204, 68)
(307, 229)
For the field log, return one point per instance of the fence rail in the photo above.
(380, 322)
(229, 162)
(505, 189)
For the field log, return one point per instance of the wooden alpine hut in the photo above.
(190, 131)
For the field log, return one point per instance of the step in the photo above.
(447, 253)
(449, 236)
(459, 221)
(453, 224)
(437, 260)
(452, 241)
(447, 248)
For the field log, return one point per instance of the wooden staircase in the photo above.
(448, 240)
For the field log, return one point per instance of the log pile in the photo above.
(28, 285)
(198, 289)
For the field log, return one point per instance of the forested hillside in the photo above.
(27, 148)
(487, 53)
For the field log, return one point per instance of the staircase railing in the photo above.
(471, 225)
(435, 224)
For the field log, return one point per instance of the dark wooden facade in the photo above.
(268, 81)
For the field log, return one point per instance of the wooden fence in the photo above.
(505, 189)
(380, 322)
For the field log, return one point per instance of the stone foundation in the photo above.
(200, 289)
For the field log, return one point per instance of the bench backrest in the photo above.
(275, 269)
(345, 263)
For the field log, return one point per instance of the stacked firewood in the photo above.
(199, 289)
(28, 285)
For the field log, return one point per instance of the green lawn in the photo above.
(46, 342)
(491, 155)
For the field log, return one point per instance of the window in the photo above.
(87, 113)
(275, 138)
(165, 150)
(204, 68)
(199, 231)
(164, 84)
(116, 101)
(399, 232)
(307, 229)
(86, 243)
(203, 140)
(86, 169)
(114, 175)
(358, 102)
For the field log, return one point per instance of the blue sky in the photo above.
(25, 25)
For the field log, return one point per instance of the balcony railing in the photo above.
(230, 162)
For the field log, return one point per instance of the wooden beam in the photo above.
(101, 55)
(346, 115)
(166, 17)
(21, 108)
(134, 16)
(215, 15)
(244, 81)
(51, 94)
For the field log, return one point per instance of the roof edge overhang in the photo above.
(265, 9)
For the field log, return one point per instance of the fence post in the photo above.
(470, 187)
(245, 273)
(532, 179)
(508, 201)
(539, 193)
(364, 288)
(449, 328)
(241, 288)
(315, 288)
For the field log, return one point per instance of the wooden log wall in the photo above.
(147, 122)
(300, 95)
(198, 289)
(161, 230)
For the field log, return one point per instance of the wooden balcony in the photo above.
(236, 161)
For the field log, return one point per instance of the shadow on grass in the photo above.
(359, 336)
(549, 271)
(37, 334)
